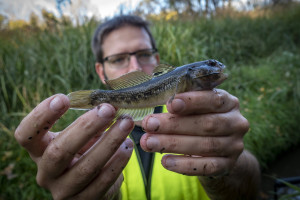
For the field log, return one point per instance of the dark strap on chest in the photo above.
(146, 157)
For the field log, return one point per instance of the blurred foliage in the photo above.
(205, 8)
(261, 54)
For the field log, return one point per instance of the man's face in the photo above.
(127, 39)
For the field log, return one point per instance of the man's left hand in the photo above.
(205, 128)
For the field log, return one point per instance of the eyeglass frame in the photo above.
(153, 51)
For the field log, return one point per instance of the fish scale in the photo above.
(137, 93)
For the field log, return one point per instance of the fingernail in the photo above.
(105, 111)
(152, 124)
(152, 143)
(126, 123)
(178, 105)
(169, 162)
(56, 104)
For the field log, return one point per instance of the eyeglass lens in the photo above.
(122, 60)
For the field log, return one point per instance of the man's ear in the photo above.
(100, 71)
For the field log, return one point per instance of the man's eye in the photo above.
(117, 60)
(144, 55)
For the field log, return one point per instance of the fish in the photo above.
(137, 93)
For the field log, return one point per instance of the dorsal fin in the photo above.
(162, 69)
(128, 80)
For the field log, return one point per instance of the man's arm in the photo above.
(241, 183)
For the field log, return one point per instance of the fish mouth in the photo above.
(222, 77)
(211, 80)
(214, 75)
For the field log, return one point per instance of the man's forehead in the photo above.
(125, 39)
(119, 33)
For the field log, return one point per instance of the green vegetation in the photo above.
(262, 55)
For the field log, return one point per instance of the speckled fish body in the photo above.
(137, 93)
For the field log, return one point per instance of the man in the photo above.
(204, 129)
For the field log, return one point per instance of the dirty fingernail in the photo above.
(152, 143)
(105, 111)
(169, 162)
(56, 104)
(126, 124)
(178, 105)
(152, 124)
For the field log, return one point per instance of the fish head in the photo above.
(206, 75)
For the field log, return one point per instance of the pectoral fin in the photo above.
(137, 113)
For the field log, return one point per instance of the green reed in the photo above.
(261, 54)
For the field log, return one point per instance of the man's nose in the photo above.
(134, 65)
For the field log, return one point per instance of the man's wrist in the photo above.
(242, 182)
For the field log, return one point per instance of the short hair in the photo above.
(113, 24)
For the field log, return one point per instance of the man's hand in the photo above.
(80, 162)
(205, 126)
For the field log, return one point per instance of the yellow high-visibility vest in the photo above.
(162, 184)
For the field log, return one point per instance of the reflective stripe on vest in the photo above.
(162, 184)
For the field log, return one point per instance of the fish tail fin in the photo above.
(81, 100)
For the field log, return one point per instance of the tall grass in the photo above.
(263, 59)
(261, 54)
(35, 65)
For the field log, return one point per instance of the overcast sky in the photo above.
(21, 9)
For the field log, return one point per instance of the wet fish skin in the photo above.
(155, 90)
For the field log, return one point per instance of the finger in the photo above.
(203, 125)
(31, 133)
(192, 145)
(90, 143)
(91, 163)
(109, 174)
(199, 102)
(197, 166)
(114, 190)
(62, 150)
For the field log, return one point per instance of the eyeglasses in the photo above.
(120, 61)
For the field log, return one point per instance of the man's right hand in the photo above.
(79, 162)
